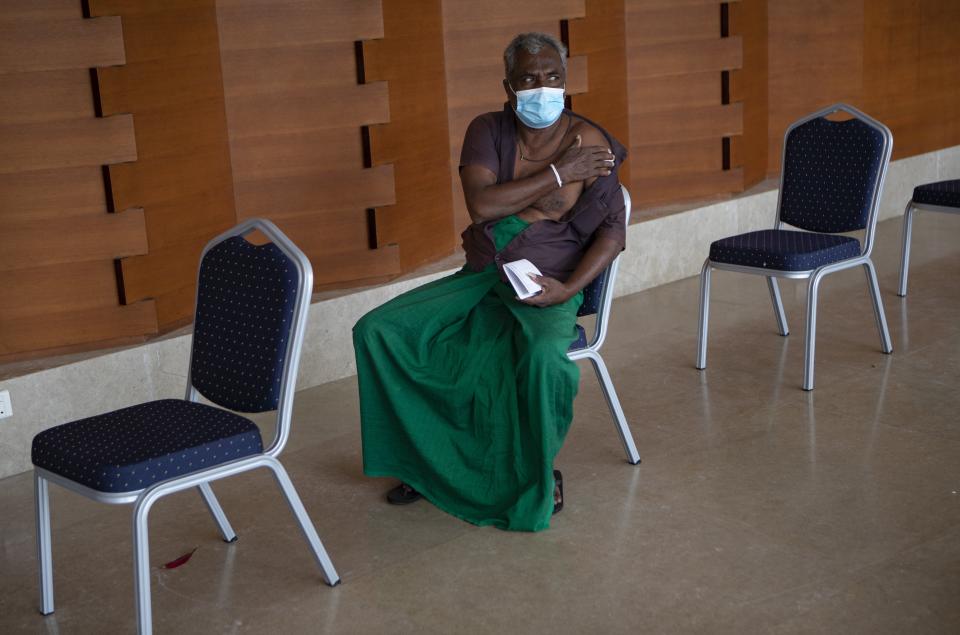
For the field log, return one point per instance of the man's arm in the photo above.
(600, 254)
(486, 200)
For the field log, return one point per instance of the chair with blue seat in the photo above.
(943, 197)
(597, 300)
(251, 313)
(833, 174)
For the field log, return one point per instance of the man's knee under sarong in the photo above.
(466, 394)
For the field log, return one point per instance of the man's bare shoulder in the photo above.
(590, 135)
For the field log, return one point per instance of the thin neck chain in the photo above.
(520, 146)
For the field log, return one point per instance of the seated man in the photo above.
(466, 392)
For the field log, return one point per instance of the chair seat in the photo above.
(580, 342)
(784, 250)
(945, 193)
(130, 449)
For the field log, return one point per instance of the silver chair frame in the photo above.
(815, 276)
(913, 208)
(144, 499)
(592, 352)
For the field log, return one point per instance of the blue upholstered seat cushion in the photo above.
(784, 250)
(580, 342)
(945, 193)
(130, 449)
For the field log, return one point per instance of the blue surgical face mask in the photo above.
(538, 107)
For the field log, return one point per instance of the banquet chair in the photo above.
(942, 196)
(251, 312)
(832, 177)
(597, 300)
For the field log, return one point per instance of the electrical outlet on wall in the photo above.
(6, 408)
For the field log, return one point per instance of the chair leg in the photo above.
(774, 289)
(141, 565)
(613, 402)
(44, 551)
(704, 315)
(813, 290)
(886, 344)
(905, 252)
(226, 530)
(309, 531)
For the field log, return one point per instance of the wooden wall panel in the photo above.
(67, 144)
(911, 72)
(676, 57)
(172, 85)
(475, 34)
(600, 37)
(295, 112)
(409, 60)
(748, 86)
(815, 58)
(47, 43)
(60, 241)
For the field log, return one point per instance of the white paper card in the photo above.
(518, 274)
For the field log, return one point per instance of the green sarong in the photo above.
(466, 394)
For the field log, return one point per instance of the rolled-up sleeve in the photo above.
(480, 144)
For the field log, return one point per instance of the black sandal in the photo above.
(558, 488)
(403, 494)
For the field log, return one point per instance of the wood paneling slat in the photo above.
(51, 194)
(686, 124)
(337, 190)
(296, 110)
(255, 24)
(103, 324)
(40, 242)
(43, 290)
(674, 23)
(680, 187)
(693, 90)
(44, 45)
(507, 14)
(67, 144)
(48, 10)
(669, 4)
(45, 96)
(684, 57)
(296, 153)
(665, 159)
(263, 70)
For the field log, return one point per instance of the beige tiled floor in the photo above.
(758, 507)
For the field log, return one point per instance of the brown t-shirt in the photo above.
(555, 247)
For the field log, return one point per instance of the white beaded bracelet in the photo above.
(556, 174)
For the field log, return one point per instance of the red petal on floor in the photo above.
(182, 560)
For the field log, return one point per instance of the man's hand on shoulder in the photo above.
(587, 158)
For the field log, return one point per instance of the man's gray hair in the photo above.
(532, 43)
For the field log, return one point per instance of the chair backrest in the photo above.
(833, 171)
(252, 303)
(598, 295)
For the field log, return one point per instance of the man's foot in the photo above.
(403, 494)
(557, 491)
